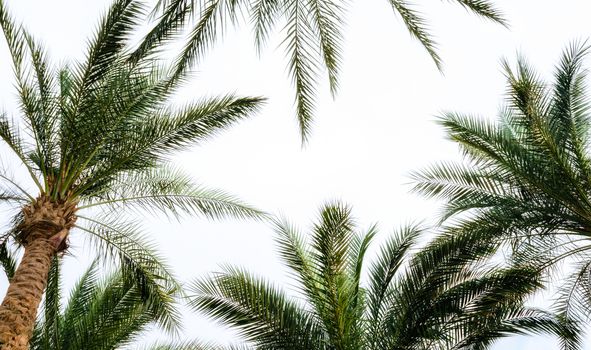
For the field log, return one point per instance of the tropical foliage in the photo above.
(95, 138)
(526, 177)
(440, 297)
(102, 313)
(99, 314)
(313, 35)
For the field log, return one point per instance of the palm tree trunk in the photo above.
(19, 307)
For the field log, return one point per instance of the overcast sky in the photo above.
(364, 143)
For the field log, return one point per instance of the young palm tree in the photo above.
(313, 35)
(527, 176)
(436, 298)
(97, 134)
(100, 314)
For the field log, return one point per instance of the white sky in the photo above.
(364, 143)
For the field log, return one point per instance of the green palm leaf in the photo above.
(313, 35)
(527, 176)
(443, 296)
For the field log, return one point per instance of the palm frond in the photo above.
(358, 248)
(122, 243)
(485, 9)
(327, 21)
(111, 37)
(117, 311)
(7, 259)
(392, 255)
(52, 318)
(166, 29)
(16, 38)
(261, 313)
(417, 27)
(212, 17)
(312, 36)
(169, 191)
(527, 181)
(43, 118)
(148, 140)
(264, 15)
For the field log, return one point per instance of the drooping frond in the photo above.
(327, 17)
(303, 65)
(168, 191)
(312, 35)
(417, 27)
(122, 243)
(573, 299)
(264, 16)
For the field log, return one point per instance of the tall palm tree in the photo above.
(436, 298)
(313, 35)
(94, 138)
(527, 175)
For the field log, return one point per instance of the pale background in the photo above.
(364, 143)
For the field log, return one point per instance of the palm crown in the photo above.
(433, 299)
(527, 175)
(100, 313)
(313, 35)
(97, 134)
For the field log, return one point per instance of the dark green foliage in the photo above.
(440, 297)
(97, 134)
(101, 313)
(526, 177)
(313, 34)
(7, 259)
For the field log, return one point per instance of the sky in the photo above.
(364, 142)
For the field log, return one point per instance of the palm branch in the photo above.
(442, 296)
(312, 35)
(525, 177)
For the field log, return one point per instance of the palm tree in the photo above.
(437, 298)
(313, 35)
(527, 176)
(100, 314)
(94, 138)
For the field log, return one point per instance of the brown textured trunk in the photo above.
(43, 231)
